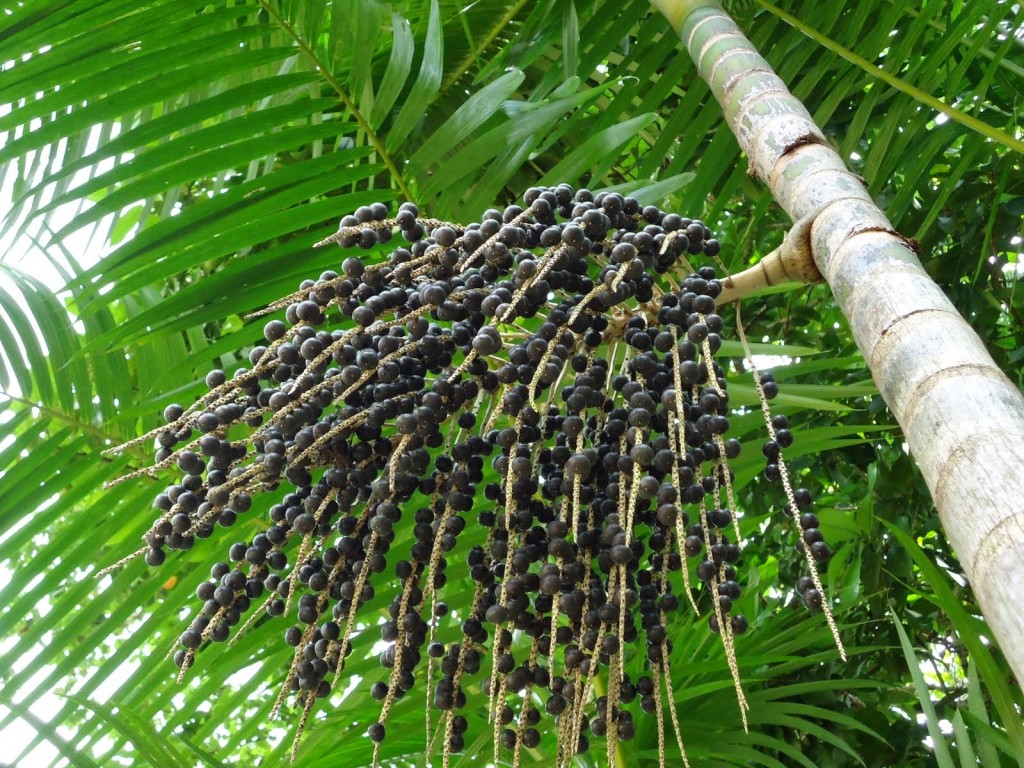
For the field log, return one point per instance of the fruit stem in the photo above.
(600, 689)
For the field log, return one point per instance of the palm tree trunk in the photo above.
(962, 417)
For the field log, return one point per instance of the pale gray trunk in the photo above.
(962, 417)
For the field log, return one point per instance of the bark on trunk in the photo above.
(962, 417)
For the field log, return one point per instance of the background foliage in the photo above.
(204, 145)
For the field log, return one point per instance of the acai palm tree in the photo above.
(166, 169)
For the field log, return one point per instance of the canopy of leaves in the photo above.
(201, 147)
